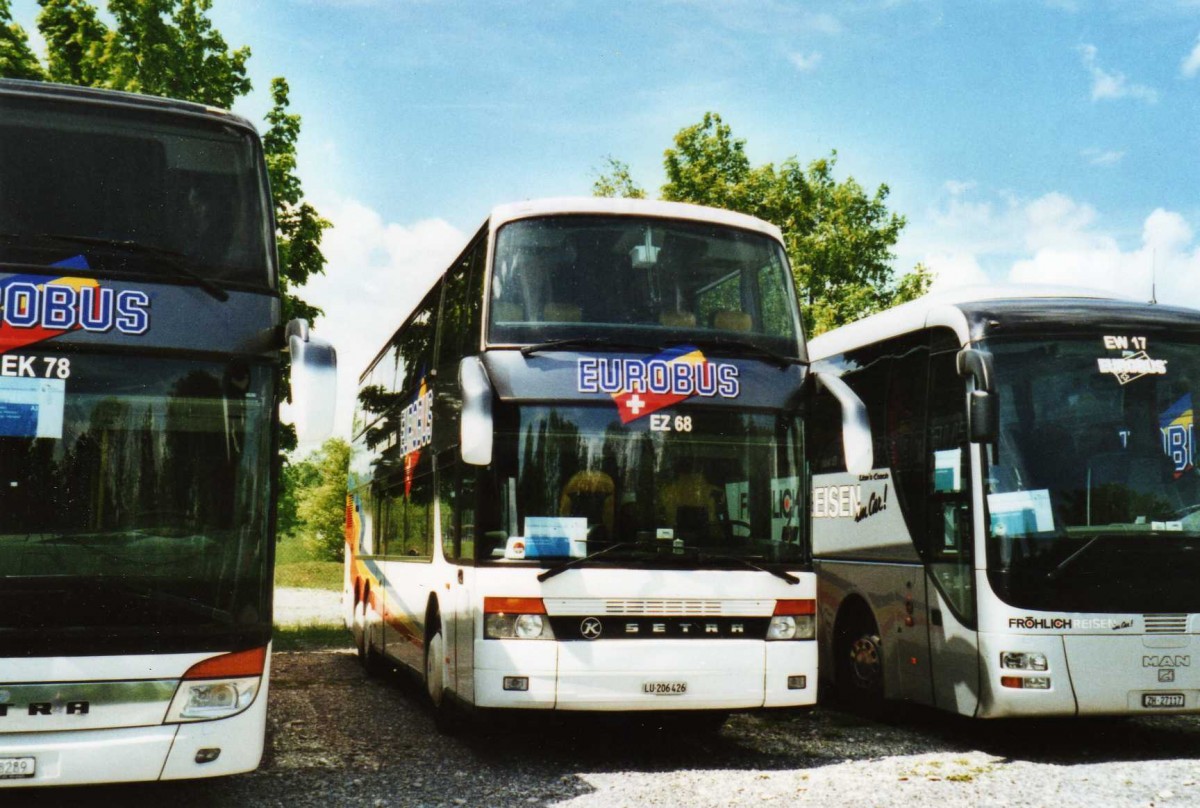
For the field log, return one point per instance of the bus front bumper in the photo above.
(666, 675)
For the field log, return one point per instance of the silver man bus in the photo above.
(140, 357)
(577, 479)
(1028, 542)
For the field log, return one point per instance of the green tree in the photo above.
(16, 58)
(839, 239)
(616, 181)
(295, 477)
(321, 505)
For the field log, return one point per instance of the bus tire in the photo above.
(371, 659)
(859, 669)
(435, 678)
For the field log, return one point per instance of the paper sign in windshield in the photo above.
(32, 408)
(555, 536)
(1132, 366)
(1021, 513)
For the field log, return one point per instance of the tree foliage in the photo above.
(321, 503)
(839, 239)
(616, 181)
(16, 58)
(170, 48)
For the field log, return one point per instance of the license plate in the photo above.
(664, 688)
(1162, 699)
(12, 768)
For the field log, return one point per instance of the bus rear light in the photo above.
(516, 619)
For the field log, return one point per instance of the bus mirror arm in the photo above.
(982, 412)
(313, 380)
(475, 425)
(856, 428)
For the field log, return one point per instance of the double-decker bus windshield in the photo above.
(639, 279)
(1093, 492)
(122, 192)
(134, 504)
(695, 488)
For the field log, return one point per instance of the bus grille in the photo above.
(1166, 623)
(660, 607)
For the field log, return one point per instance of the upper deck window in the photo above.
(573, 276)
(118, 191)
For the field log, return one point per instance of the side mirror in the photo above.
(475, 426)
(314, 382)
(856, 428)
(983, 408)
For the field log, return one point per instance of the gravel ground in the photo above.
(305, 606)
(337, 737)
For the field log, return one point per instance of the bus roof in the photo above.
(117, 98)
(957, 309)
(584, 205)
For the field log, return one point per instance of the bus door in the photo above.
(457, 517)
(949, 554)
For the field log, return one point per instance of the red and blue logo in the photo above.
(643, 386)
(34, 308)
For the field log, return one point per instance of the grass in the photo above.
(311, 637)
(295, 565)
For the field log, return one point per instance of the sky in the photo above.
(1023, 140)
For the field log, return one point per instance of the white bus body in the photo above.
(1024, 544)
(595, 503)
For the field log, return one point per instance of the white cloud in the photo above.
(1114, 84)
(377, 272)
(1102, 157)
(805, 62)
(966, 239)
(1191, 63)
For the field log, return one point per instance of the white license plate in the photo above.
(12, 768)
(664, 688)
(1162, 700)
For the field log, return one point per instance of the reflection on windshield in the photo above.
(84, 186)
(569, 277)
(1093, 482)
(133, 493)
(575, 480)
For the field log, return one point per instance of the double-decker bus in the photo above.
(1028, 542)
(577, 479)
(140, 356)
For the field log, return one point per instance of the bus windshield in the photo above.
(1093, 492)
(134, 503)
(114, 191)
(696, 488)
(568, 277)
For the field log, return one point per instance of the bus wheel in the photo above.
(860, 667)
(435, 681)
(371, 660)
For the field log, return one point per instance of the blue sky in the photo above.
(1024, 140)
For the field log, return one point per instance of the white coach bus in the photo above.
(577, 480)
(1028, 542)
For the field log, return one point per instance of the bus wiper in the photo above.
(177, 261)
(745, 347)
(575, 562)
(745, 562)
(588, 342)
(1057, 572)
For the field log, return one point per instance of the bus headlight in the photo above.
(515, 619)
(218, 687)
(206, 700)
(793, 620)
(1023, 661)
